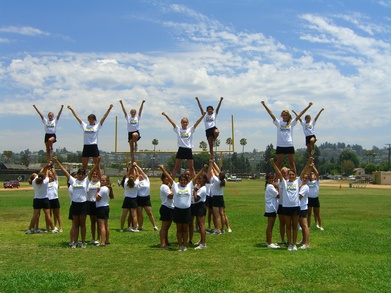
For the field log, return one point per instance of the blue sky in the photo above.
(89, 54)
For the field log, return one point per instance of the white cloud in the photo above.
(23, 30)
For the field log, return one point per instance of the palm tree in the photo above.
(228, 141)
(217, 143)
(203, 145)
(243, 142)
(155, 142)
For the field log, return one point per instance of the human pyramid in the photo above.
(183, 202)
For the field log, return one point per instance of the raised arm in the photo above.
(315, 170)
(269, 111)
(306, 167)
(210, 171)
(140, 171)
(106, 114)
(294, 112)
(96, 168)
(166, 174)
(276, 170)
(141, 108)
(169, 119)
(123, 108)
(74, 114)
(317, 115)
(199, 120)
(199, 105)
(218, 106)
(194, 180)
(59, 112)
(302, 112)
(62, 167)
(39, 113)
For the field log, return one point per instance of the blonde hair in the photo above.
(288, 113)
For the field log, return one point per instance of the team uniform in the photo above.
(143, 193)
(184, 142)
(53, 194)
(210, 124)
(291, 201)
(304, 191)
(91, 197)
(50, 129)
(217, 192)
(198, 209)
(102, 206)
(167, 207)
(285, 136)
(41, 199)
(130, 199)
(182, 202)
(313, 195)
(271, 203)
(309, 130)
(90, 148)
(79, 204)
(133, 126)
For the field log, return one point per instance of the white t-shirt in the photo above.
(91, 192)
(144, 188)
(133, 123)
(41, 190)
(131, 191)
(184, 137)
(280, 200)
(304, 200)
(79, 188)
(90, 132)
(284, 133)
(201, 193)
(164, 192)
(313, 188)
(291, 193)
(50, 125)
(210, 121)
(215, 188)
(104, 194)
(182, 195)
(53, 189)
(271, 204)
(308, 128)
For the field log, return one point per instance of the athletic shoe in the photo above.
(180, 248)
(299, 242)
(184, 248)
(216, 233)
(209, 230)
(304, 246)
(73, 245)
(197, 243)
(94, 242)
(54, 231)
(83, 245)
(129, 229)
(139, 228)
(283, 243)
(29, 232)
(317, 226)
(200, 247)
(60, 230)
(273, 246)
(229, 230)
(156, 228)
(290, 247)
(121, 230)
(134, 230)
(294, 248)
(321, 228)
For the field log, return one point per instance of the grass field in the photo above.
(353, 254)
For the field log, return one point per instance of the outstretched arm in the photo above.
(169, 119)
(218, 106)
(199, 120)
(278, 171)
(140, 171)
(302, 112)
(74, 114)
(59, 112)
(269, 111)
(210, 171)
(39, 113)
(317, 116)
(199, 173)
(96, 168)
(315, 170)
(62, 167)
(294, 112)
(106, 114)
(306, 167)
(199, 105)
(161, 167)
(141, 108)
(123, 108)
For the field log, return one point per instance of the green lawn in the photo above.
(353, 254)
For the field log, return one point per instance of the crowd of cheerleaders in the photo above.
(181, 200)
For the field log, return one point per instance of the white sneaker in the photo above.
(134, 230)
(273, 246)
(304, 246)
(83, 245)
(321, 228)
(54, 231)
(156, 228)
(290, 247)
(60, 230)
(294, 248)
(120, 230)
(229, 230)
(129, 229)
(200, 247)
(29, 232)
(94, 242)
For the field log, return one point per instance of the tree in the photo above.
(347, 155)
(269, 153)
(228, 141)
(216, 143)
(8, 155)
(347, 167)
(243, 142)
(203, 145)
(25, 157)
(370, 168)
(155, 142)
